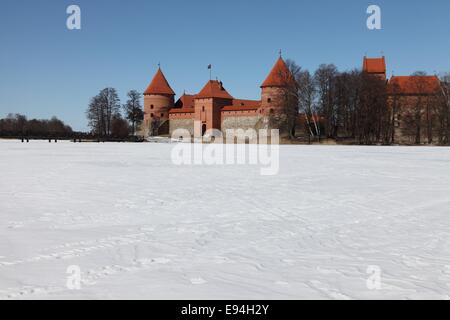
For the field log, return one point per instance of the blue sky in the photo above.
(47, 70)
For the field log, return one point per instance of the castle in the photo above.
(212, 108)
(412, 102)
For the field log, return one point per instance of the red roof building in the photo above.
(412, 100)
(414, 85)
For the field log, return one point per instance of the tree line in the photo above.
(109, 119)
(17, 125)
(357, 107)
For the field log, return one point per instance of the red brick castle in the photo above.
(212, 108)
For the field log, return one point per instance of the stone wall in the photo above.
(239, 122)
(180, 123)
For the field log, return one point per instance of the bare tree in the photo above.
(101, 111)
(346, 98)
(95, 116)
(372, 115)
(420, 107)
(325, 79)
(291, 97)
(444, 109)
(395, 109)
(133, 110)
(119, 127)
(307, 102)
(111, 102)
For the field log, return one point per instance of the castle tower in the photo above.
(158, 100)
(375, 66)
(272, 88)
(208, 105)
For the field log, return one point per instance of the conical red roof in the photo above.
(159, 85)
(214, 89)
(279, 76)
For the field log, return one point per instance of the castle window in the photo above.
(162, 115)
(269, 100)
(152, 106)
(203, 108)
(151, 115)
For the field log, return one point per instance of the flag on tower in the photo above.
(210, 71)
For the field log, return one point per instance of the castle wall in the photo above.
(181, 122)
(239, 120)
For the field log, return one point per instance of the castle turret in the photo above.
(158, 100)
(375, 66)
(272, 88)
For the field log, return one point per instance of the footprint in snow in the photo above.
(198, 281)
(161, 260)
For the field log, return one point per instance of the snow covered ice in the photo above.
(139, 227)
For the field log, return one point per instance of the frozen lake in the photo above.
(138, 226)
